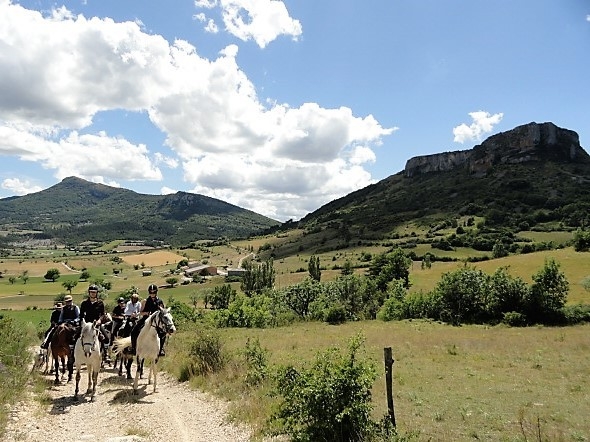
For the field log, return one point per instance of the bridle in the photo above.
(159, 320)
(91, 344)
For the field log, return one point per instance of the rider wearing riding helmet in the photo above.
(92, 309)
(150, 305)
(118, 316)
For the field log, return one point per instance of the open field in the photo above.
(289, 270)
(450, 383)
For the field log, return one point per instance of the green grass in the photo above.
(450, 383)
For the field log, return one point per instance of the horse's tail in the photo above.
(120, 344)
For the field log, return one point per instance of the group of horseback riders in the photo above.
(127, 318)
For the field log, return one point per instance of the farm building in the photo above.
(236, 272)
(146, 272)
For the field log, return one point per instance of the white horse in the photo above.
(88, 351)
(148, 343)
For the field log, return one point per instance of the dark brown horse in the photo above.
(61, 343)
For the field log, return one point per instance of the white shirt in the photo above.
(131, 308)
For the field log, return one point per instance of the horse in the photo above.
(60, 349)
(148, 343)
(44, 360)
(124, 357)
(88, 351)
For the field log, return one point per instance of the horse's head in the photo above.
(164, 320)
(89, 337)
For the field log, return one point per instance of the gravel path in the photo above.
(173, 414)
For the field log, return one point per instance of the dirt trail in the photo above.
(174, 413)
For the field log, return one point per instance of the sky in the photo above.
(275, 106)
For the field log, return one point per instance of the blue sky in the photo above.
(275, 106)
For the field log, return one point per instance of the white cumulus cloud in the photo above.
(58, 71)
(483, 123)
(20, 187)
(259, 20)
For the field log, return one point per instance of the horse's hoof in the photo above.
(129, 376)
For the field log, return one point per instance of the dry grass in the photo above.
(450, 383)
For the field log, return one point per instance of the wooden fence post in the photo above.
(389, 382)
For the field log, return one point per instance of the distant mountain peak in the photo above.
(529, 142)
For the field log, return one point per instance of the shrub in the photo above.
(330, 401)
(205, 356)
(514, 319)
(256, 363)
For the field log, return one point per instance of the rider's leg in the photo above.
(48, 336)
(162, 341)
(135, 332)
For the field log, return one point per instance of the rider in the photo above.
(92, 309)
(150, 305)
(118, 316)
(70, 313)
(53, 323)
(132, 311)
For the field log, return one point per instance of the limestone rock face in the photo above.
(530, 142)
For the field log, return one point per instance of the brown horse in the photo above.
(61, 341)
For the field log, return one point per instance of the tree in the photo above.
(257, 277)
(12, 279)
(52, 274)
(499, 250)
(221, 297)
(347, 268)
(299, 297)
(582, 240)
(69, 285)
(389, 266)
(548, 294)
(85, 275)
(314, 268)
(24, 276)
(171, 281)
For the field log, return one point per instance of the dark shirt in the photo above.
(152, 304)
(118, 311)
(69, 313)
(55, 316)
(91, 311)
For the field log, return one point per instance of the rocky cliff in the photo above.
(530, 142)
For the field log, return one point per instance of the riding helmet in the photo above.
(153, 288)
(121, 299)
(93, 287)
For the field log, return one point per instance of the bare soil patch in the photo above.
(173, 413)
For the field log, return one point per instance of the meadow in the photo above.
(449, 383)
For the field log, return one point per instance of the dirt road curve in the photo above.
(172, 414)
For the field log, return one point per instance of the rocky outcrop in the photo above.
(530, 142)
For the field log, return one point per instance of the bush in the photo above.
(256, 363)
(514, 319)
(205, 356)
(330, 401)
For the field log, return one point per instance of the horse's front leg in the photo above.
(56, 369)
(94, 382)
(78, 376)
(154, 370)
